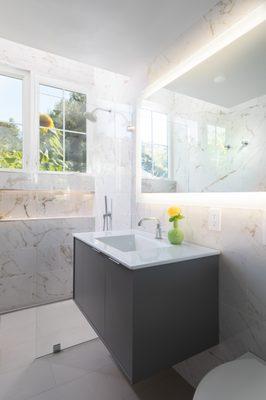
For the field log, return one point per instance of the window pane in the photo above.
(51, 112)
(10, 99)
(51, 150)
(52, 91)
(160, 159)
(75, 106)
(75, 152)
(61, 111)
(11, 144)
(146, 160)
(145, 126)
(159, 126)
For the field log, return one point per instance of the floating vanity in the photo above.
(152, 304)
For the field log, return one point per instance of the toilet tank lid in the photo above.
(242, 379)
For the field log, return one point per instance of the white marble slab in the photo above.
(165, 254)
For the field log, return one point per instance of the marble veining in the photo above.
(36, 266)
(24, 204)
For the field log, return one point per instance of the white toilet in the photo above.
(242, 379)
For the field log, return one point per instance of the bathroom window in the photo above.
(63, 136)
(154, 144)
(11, 128)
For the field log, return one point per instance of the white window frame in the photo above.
(26, 107)
(152, 142)
(63, 85)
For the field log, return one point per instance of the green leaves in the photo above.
(10, 145)
(176, 218)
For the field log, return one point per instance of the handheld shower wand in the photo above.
(107, 216)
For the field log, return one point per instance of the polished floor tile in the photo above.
(87, 372)
(90, 356)
(27, 382)
(31, 333)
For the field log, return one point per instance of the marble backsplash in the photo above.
(242, 281)
(36, 260)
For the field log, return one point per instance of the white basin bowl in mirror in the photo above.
(133, 242)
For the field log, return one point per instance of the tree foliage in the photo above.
(10, 145)
(52, 141)
(51, 145)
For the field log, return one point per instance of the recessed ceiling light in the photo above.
(219, 79)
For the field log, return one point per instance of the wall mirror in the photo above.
(206, 130)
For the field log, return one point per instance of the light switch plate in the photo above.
(215, 219)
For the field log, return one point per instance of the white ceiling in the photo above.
(120, 35)
(240, 67)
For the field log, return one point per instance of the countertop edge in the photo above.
(209, 253)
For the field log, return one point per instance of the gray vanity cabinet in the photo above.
(89, 285)
(149, 318)
(103, 292)
(118, 328)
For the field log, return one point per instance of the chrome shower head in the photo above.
(91, 115)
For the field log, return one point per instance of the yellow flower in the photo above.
(173, 211)
(46, 121)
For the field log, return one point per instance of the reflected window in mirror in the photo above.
(154, 144)
(216, 118)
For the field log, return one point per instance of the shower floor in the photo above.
(31, 333)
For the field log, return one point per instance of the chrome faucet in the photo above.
(158, 233)
(107, 216)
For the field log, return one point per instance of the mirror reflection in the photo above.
(206, 131)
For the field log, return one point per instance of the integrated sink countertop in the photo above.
(137, 249)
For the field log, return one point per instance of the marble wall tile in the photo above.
(53, 285)
(25, 204)
(16, 292)
(37, 265)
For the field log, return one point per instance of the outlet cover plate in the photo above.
(215, 219)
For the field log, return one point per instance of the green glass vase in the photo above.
(175, 235)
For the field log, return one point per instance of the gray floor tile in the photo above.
(87, 372)
(93, 386)
(24, 383)
(88, 356)
(64, 374)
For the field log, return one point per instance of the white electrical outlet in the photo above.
(215, 219)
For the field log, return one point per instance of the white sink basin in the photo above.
(132, 242)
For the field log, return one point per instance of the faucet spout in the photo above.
(158, 232)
